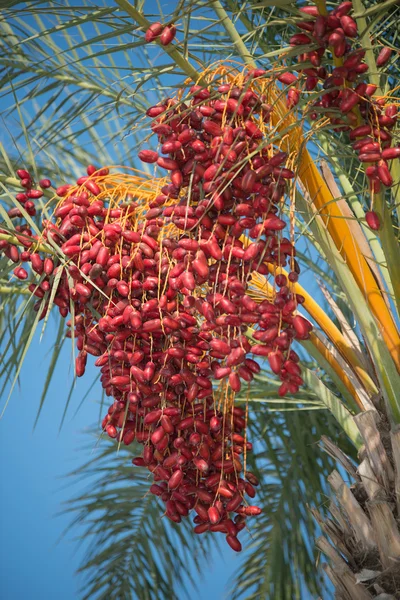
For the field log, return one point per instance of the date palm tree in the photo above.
(77, 81)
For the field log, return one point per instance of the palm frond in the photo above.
(279, 561)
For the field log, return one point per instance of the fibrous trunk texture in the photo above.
(363, 525)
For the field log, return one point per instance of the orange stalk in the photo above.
(336, 224)
(340, 232)
(333, 363)
(267, 291)
(327, 326)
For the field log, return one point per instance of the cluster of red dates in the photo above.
(344, 96)
(161, 292)
(160, 297)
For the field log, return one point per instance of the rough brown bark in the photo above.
(362, 528)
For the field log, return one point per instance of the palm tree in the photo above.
(76, 84)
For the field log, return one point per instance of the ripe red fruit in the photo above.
(37, 263)
(250, 511)
(293, 98)
(383, 57)
(26, 182)
(80, 363)
(48, 266)
(339, 47)
(234, 382)
(201, 528)
(391, 111)
(215, 424)
(370, 89)
(274, 223)
(370, 147)
(390, 153)
(221, 372)
(201, 464)
(360, 131)
(148, 156)
(369, 157)
(249, 181)
(175, 480)
(310, 10)
(375, 185)
(384, 174)
(349, 26)
(386, 121)
(45, 183)
(167, 163)
(213, 515)
(311, 83)
(373, 220)
(343, 9)
(302, 327)
(275, 361)
(168, 35)
(220, 346)
(234, 543)
(200, 265)
(83, 290)
(201, 511)
(90, 169)
(129, 436)
(111, 431)
(349, 102)
(319, 26)
(92, 187)
(287, 78)
(35, 194)
(234, 503)
(283, 389)
(62, 190)
(21, 273)
(23, 174)
(153, 32)
(299, 39)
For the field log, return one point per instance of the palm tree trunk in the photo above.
(363, 525)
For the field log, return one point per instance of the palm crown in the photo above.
(78, 82)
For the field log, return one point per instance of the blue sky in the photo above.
(33, 564)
